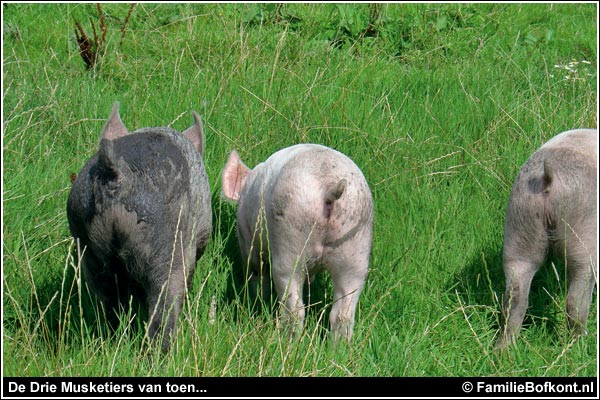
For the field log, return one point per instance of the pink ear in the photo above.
(114, 127)
(234, 176)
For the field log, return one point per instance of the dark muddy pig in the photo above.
(553, 209)
(312, 208)
(140, 212)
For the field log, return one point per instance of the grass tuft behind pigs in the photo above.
(439, 110)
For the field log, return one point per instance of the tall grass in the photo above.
(439, 109)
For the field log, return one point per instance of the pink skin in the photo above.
(312, 208)
(553, 208)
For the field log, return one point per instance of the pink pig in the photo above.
(306, 208)
(553, 206)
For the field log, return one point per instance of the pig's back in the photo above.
(582, 141)
(159, 173)
(308, 170)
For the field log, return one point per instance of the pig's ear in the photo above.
(234, 177)
(196, 133)
(114, 128)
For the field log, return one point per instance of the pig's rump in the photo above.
(134, 181)
(322, 194)
(556, 185)
(316, 200)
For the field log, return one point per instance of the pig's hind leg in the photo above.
(165, 299)
(525, 248)
(582, 273)
(519, 274)
(348, 276)
(106, 283)
(289, 273)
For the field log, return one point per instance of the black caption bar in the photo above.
(299, 387)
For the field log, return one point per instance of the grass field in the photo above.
(439, 104)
